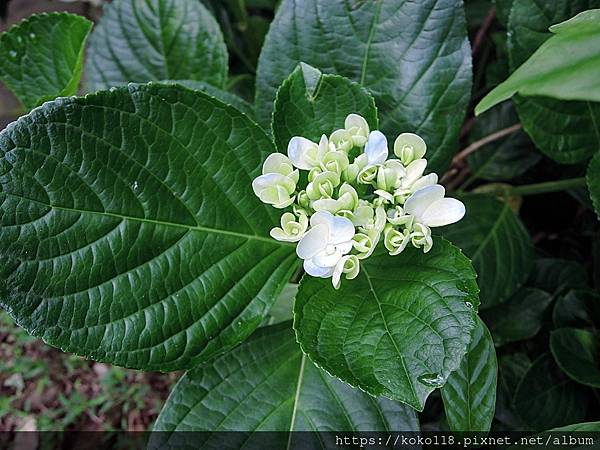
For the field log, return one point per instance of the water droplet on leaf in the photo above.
(434, 380)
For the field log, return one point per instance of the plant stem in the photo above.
(484, 141)
(543, 188)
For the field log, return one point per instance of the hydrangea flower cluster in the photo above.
(350, 196)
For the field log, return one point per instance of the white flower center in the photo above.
(330, 249)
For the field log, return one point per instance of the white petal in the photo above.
(298, 150)
(427, 180)
(345, 247)
(316, 271)
(418, 202)
(280, 235)
(337, 272)
(376, 148)
(342, 230)
(274, 162)
(414, 171)
(323, 259)
(314, 241)
(354, 120)
(322, 217)
(444, 212)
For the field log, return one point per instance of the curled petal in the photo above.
(422, 199)
(348, 265)
(409, 147)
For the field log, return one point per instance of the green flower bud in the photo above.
(302, 200)
(409, 147)
(397, 216)
(421, 237)
(291, 229)
(348, 265)
(368, 175)
(335, 162)
(274, 189)
(395, 241)
(341, 141)
(344, 205)
(323, 185)
(365, 243)
(281, 164)
(383, 197)
(389, 175)
(358, 128)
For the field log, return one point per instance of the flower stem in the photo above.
(543, 188)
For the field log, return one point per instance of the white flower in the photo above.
(349, 265)
(430, 208)
(277, 184)
(325, 243)
(291, 229)
(346, 202)
(305, 154)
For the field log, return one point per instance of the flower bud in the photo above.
(394, 240)
(358, 128)
(335, 162)
(341, 141)
(348, 265)
(351, 173)
(274, 189)
(389, 175)
(421, 237)
(291, 229)
(323, 185)
(365, 243)
(409, 147)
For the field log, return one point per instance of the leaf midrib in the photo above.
(154, 221)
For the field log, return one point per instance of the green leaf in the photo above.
(503, 10)
(593, 182)
(506, 158)
(42, 56)
(576, 353)
(282, 309)
(497, 242)
(226, 97)
(566, 131)
(398, 329)
(129, 232)
(545, 398)
(565, 66)
(470, 393)
(151, 40)
(511, 370)
(556, 275)
(267, 384)
(311, 104)
(519, 318)
(414, 57)
(577, 308)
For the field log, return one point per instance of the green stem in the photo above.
(543, 188)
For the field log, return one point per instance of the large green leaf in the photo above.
(311, 104)
(546, 398)
(267, 384)
(565, 66)
(226, 97)
(497, 242)
(469, 395)
(512, 368)
(556, 275)
(42, 57)
(577, 308)
(566, 131)
(414, 57)
(519, 318)
(593, 182)
(576, 353)
(397, 330)
(151, 40)
(129, 230)
(505, 158)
